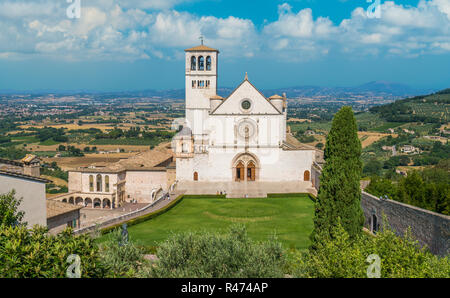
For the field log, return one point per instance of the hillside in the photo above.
(433, 108)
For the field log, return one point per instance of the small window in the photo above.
(201, 63)
(107, 183)
(207, 83)
(208, 63)
(91, 183)
(193, 63)
(194, 84)
(99, 183)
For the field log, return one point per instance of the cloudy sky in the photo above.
(138, 44)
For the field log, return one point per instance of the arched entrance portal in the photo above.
(306, 176)
(245, 167)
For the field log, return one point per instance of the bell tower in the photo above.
(201, 85)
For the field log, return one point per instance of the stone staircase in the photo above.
(241, 189)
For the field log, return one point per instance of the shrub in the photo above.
(209, 255)
(35, 254)
(339, 256)
(120, 260)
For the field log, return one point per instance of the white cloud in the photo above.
(142, 29)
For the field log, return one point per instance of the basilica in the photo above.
(239, 145)
(241, 138)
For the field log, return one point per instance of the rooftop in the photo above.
(148, 160)
(201, 48)
(55, 208)
(20, 175)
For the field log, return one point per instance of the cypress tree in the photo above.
(339, 193)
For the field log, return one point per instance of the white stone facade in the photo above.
(240, 138)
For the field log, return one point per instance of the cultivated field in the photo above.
(368, 138)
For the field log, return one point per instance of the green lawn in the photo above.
(290, 218)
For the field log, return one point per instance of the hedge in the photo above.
(291, 195)
(205, 196)
(145, 217)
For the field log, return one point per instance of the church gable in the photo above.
(246, 99)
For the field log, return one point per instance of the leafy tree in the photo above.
(340, 193)
(372, 167)
(9, 214)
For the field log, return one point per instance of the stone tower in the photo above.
(201, 86)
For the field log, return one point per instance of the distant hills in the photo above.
(433, 108)
(372, 89)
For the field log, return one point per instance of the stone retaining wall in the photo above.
(429, 228)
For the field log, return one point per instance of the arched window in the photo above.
(251, 171)
(240, 172)
(374, 224)
(195, 176)
(201, 63)
(193, 63)
(91, 183)
(99, 183)
(107, 183)
(208, 63)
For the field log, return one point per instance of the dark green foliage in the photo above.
(437, 152)
(54, 171)
(12, 153)
(47, 133)
(405, 110)
(120, 260)
(342, 257)
(9, 213)
(34, 253)
(207, 255)
(340, 193)
(51, 188)
(428, 189)
(395, 161)
(373, 167)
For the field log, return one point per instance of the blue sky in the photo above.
(138, 44)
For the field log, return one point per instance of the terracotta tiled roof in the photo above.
(28, 158)
(293, 144)
(201, 48)
(145, 160)
(55, 208)
(276, 96)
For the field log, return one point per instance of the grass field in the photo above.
(290, 218)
